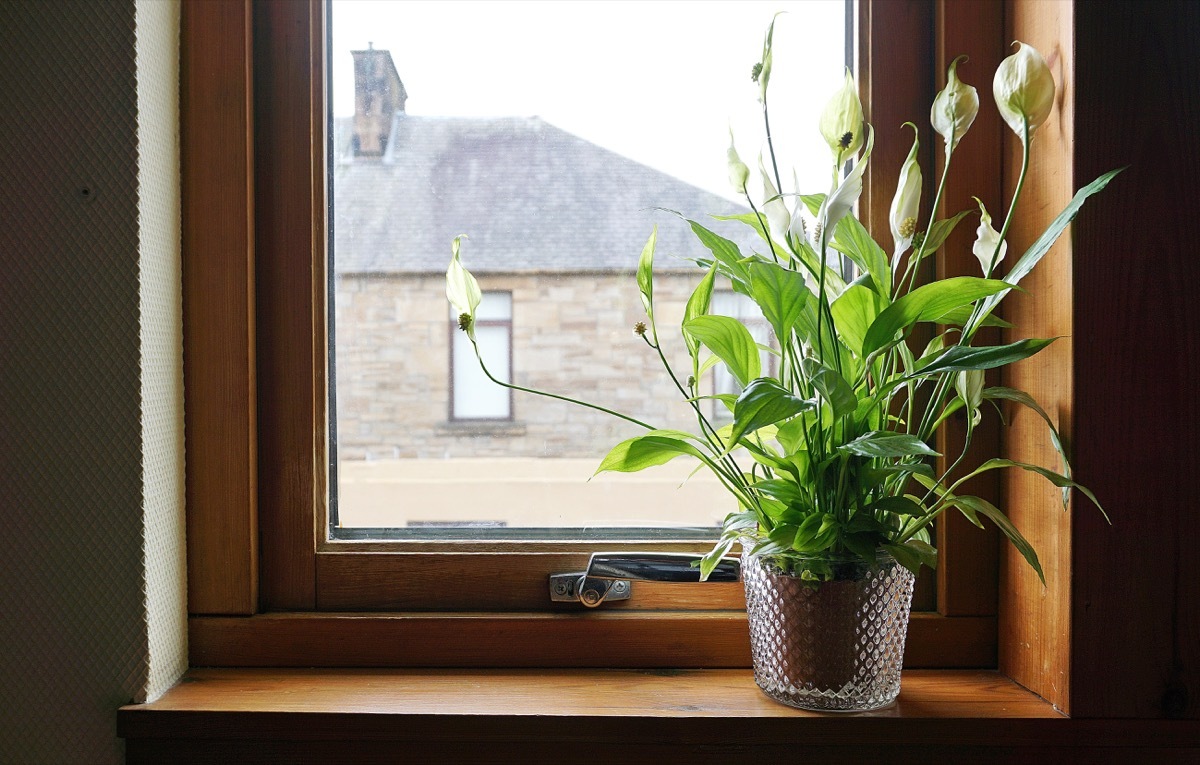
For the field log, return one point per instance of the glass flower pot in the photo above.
(827, 632)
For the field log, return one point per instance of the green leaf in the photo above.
(713, 556)
(832, 386)
(982, 507)
(729, 339)
(646, 451)
(787, 492)
(898, 506)
(764, 402)
(1044, 242)
(791, 434)
(959, 316)
(877, 475)
(905, 556)
(927, 303)
(697, 305)
(882, 443)
(1058, 480)
(780, 294)
(725, 252)
(645, 274)
(854, 311)
(813, 202)
(1021, 397)
(957, 358)
(852, 239)
(940, 231)
(928, 554)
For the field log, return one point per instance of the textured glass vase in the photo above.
(834, 645)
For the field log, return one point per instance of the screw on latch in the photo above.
(561, 588)
(620, 587)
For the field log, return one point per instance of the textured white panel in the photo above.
(162, 342)
(73, 595)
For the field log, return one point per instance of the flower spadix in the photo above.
(988, 247)
(462, 290)
(955, 108)
(1024, 89)
(842, 122)
(907, 202)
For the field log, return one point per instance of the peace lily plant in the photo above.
(833, 455)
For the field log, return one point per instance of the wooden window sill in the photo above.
(588, 715)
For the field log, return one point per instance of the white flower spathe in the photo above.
(988, 247)
(1024, 89)
(955, 108)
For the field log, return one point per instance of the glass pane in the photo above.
(551, 134)
(475, 396)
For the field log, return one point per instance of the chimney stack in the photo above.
(378, 95)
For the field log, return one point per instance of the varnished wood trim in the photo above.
(218, 219)
(597, 638)
(485, 581)
(289, 146)
(590, 716)
(1035, 624)
(968, 556)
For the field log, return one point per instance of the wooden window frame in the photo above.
(265, 588)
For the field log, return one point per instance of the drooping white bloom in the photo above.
(739, 174)
(842, 122)
(797, 229)
(988, 247)
(462, 290)
(907, 201)
(955, 108)
(1024, 88)
(841, 197)
(773, 205)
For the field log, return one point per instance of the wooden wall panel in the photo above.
(1035, 636)
(968, 555)
(1136, 595)
(218, 307)
(290, 117)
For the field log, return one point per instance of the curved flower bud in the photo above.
(842, 122)
(955, 108)
(739, 174)
(907, 202)
(1024, 89)
(773, 205)
(462, 290)
(761, 73)
(988, 247)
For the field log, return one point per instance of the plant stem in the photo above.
(569, 400)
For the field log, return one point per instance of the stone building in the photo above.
(555, 225)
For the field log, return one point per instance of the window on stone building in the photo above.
(472, 395)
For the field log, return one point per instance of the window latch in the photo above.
(610, 575)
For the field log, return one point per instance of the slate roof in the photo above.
(530, 196)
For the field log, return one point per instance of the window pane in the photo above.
(550, 144)
(474, 395)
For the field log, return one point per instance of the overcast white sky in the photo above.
(657, 81)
